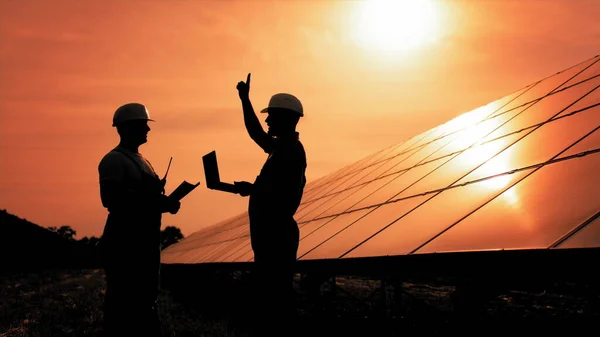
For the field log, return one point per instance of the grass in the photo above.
(54, 303)
(69, 303)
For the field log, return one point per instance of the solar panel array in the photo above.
(521, 172)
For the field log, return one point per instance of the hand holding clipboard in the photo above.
(182, 190)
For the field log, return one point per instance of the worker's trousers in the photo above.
(273, 277)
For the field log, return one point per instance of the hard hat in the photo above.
(130, 112)
(285, 101)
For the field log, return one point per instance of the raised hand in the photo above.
(244, 88)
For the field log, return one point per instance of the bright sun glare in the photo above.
(470, 132)
(393, 25)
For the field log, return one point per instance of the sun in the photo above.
(397, 25)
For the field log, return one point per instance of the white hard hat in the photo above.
(285, 101)
(130, 112)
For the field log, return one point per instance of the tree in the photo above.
(65, 232)
(94, 241)
(169, 236)
(91, 241)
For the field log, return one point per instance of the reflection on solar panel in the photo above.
(518, 173)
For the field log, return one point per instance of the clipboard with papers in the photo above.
(211, 172)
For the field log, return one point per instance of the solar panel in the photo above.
(518, 173)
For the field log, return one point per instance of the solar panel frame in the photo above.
(586, 235)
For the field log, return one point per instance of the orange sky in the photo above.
(66, 65)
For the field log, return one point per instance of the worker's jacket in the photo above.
(278, 189)
(135, 202)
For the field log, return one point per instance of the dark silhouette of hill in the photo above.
(25, 246)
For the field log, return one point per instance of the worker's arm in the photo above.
(252, 123)
(116, 196)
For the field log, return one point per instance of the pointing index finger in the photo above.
(248, 79)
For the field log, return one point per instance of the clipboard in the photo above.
(211, 172)
(182, 190)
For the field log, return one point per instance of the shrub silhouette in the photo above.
(169, 236)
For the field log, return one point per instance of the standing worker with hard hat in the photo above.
(274, 198)
(134, 196)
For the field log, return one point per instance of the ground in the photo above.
(68, 303)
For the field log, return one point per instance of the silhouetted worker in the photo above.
(134, 196)
(274, 198)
